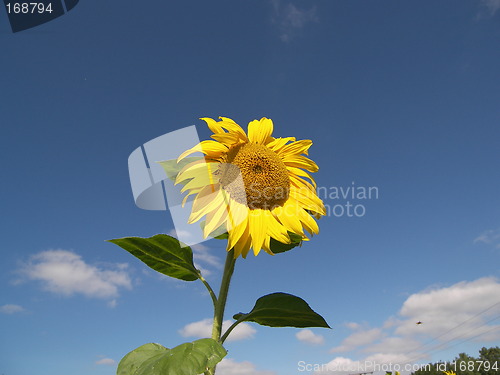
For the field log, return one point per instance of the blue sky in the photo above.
(401, 96)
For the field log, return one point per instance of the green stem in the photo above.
(209, 288)
(233, 326)
(221, 301)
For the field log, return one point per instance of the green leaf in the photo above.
(283, 310)
(278, 247)
(191, 358)
(133, 360)
(172, 168)
(223, 236)
(162, 253)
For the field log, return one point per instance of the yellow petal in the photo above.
(300, 183)
(296, 148)
(236, 234)
(213, 204)
(287, 215)
(238, 214)
(308, 222)
(199, 168)
(215, 219)
(228, 139)
(302, 173)
(197, 183)
(260, 131)
(213, 125)
(211, 148)
(309, 202)
(277, 144)
(233, 127)
(243, 245)
(257, 226)
(300, 161)
(202, 177)
(205, 196)
(267, 246)
(275, 229)
(184, 200)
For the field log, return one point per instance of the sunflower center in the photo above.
(264, 181)
(257, 169)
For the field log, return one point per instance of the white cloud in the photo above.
(11, 309)
(106, 361)
(358, 339)
(353, 325)
(492, 5)
(308, 336)
(291, 20)
(64, 272)
(450, 315)
(490, 237)
(391, 358)
(339, 366)
(202, 254)
(394, 345)
(229, 366)
(378, 363)
(203, 328)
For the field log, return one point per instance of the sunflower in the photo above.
(253, 186)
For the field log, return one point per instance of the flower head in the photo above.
(252, 185)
